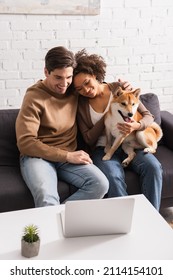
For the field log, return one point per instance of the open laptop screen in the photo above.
(97, 216)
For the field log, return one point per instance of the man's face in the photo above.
(59, 80)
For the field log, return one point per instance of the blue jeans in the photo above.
(42, 176)
(145, 165)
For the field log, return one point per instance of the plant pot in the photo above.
(30, 250)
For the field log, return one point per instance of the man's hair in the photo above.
(59, 57)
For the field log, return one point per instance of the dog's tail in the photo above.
(157, 129)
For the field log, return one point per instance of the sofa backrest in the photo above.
(9, 153)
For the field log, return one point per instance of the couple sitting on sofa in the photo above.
(46, 131)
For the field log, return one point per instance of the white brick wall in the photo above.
(135, 38)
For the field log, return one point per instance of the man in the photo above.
(46, 136)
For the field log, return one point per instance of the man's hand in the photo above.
(78, 157)
(125, 85)
(127, 128)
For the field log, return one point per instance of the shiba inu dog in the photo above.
(123, 108)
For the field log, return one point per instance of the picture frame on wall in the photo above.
(46, 7)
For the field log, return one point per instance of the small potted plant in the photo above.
(30, 243)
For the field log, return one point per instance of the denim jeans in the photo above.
(145, 165)
(41, 177)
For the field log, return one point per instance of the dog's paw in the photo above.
(106, 157)
(149, 150)
(125, 163)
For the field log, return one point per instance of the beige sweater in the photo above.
(46, 124)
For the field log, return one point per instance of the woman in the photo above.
(95, 96)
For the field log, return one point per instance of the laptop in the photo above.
(97, 217)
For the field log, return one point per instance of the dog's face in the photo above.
(125, 103)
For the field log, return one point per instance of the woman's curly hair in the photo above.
(91, 64)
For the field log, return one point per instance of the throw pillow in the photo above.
(151, 102)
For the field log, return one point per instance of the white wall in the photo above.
(135, 38)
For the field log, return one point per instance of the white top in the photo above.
(95, 117)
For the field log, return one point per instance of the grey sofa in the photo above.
(15, 195)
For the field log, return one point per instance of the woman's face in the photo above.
(86, 85)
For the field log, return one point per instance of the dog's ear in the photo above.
(118, 91)
(136, 92)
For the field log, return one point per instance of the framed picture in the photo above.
(46, 7)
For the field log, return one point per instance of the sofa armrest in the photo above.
(167, 127)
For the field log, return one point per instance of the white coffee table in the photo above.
(151, 237)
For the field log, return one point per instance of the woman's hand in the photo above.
(127, 128)
(125, 85)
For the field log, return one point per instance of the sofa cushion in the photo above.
(9, 154)
(14, 195)
(151, 102)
